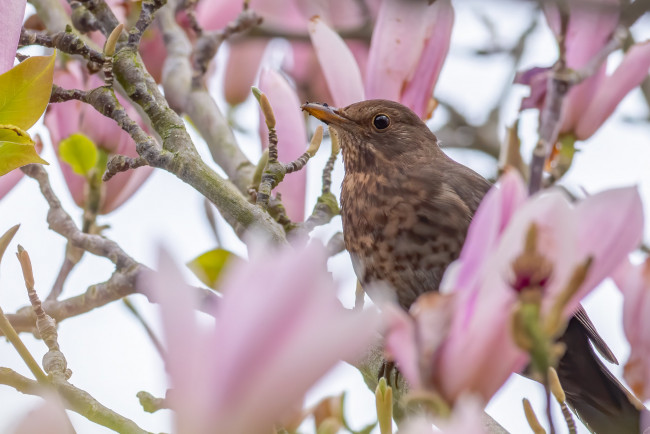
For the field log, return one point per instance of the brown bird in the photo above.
(406, 207)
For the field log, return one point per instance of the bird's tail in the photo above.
(601, 402)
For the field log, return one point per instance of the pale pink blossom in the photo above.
(409, 45)
(332, 51)
(65, 119)
(476, 352)
(48, 418)
(292, 138)
(588, 104)
(278, 328)
(12, 13)
(634, 283)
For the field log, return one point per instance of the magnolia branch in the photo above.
(123, 282)
(67, 42)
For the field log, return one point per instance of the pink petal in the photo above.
(48, 418)
(12, 13)
(292, 136)
(340, 14)
(216, 14)
(491, 218)
(419, 91)
(244, 59)
(620, 211)
(634, 282)
(396, 47)
(338, 64)
(401, 342)
(9, 181)
(479, 354)
(279, 319)
(591, 25)
(537, 79)
(189, 357)
(629, 74)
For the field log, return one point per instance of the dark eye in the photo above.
(381, 121)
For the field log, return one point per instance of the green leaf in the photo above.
(11, 133)
(207, 267)
(79, 152)
(25, 91)
(14, 155)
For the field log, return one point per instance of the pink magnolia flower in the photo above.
(65, 119)
(476, 352)
(408, 48)
(589, 104)
(278, 328)
(12, 13)
(292, 138)
(634, 283)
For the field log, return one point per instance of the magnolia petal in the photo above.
(188, 357)
(402, 344)
(396, 47)
(338, 64)
(270, 328)
(537, 79)
(634, 283)
(489, 221)
(12, 13)
(629, 74)
(244, 59)
(48, 418)
(9, 181)
(621, 212)
(292, 138)
(216, 14)
(419, 91)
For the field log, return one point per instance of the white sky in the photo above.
(111, 356)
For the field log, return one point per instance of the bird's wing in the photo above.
(597, 341)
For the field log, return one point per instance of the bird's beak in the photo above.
(325, 113)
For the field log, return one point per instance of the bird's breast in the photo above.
(394, 236)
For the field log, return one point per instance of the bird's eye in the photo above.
(381, 122)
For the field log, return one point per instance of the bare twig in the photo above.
(147, 12)
(66, 42)
(208, 44)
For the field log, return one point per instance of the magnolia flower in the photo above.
(408, 48)
(278, 328)
(462, 341)
(12, 13)
(634, 283)
(589, 104)
(292, 138)
(65, 119)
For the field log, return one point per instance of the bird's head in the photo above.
(376, 130)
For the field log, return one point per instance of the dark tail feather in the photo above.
(601, 402)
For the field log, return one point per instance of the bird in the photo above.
(406, 208)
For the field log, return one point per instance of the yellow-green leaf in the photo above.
(207, 267)
(11, 133)
(79, 152)
(14, 155)
(25, 91)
